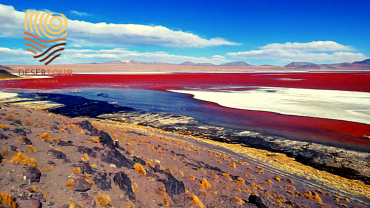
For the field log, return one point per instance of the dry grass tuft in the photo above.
(181, 173)
(7, 201)
(140, 169)
(279, 202)
(85, 157)
(94, 166)
(3, 126)
(32, 162)
(31, 149)
(196, 201)
(231, 165)
(277, 178)
(70, 184)
(205, 184)
(95, 139)
(73, 127)
(191, 177)
(238, 199)
(168, 170)
(149, 164)
(77, 170)
(20, 158)
(45, 136)
(103, 200)
(317, 197)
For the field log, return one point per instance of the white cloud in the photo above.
(315, 51)
(218, 57)
(109, 34)
(18, 56)
(74, 12)
(311, 46)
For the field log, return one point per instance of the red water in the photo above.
(302, 128)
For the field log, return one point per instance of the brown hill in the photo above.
(6, 75)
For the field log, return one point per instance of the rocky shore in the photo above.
(49, 160)
(339, 161)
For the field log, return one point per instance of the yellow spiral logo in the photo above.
(45, 28)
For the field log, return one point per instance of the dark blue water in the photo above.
(154, 101)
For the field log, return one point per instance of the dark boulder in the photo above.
(106, 140)
(86, 168)
(124, 183)
(103, 181)
(63, 143)
(173, 186)
(87, 150)
(22, 131)
(81, 185)
(113, 156)
(88, 126)
(253, 199)
(57, 154)
(3, 137)
(139, 160)
(27, 141)
(32, 174)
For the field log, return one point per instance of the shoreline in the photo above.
(319, 156)
(173, 150)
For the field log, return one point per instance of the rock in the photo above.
(32, 203)
(87, 125)
(33, 174)
(22, 131)
(253, 199)
(57, 154)
(88, 200)
(124, 183)
(173, 186)
(3, 137)
(15, 121)
(87, 150)
(103, 182)
(63, 143)
(139, 160)
(113, 156)
(157, 167)
(106, 140)
(86, 168)
(13, 148)
(27, 141)
(51, 162)
(81, 185)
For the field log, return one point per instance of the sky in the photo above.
(208, 31)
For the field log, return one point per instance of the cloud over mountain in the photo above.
(315, 51)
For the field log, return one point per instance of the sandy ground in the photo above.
(57, 161)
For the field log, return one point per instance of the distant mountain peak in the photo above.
(236, 63)
(303, 65)
(366, 62)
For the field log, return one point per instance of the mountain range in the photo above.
(187, 63)
(364, 65)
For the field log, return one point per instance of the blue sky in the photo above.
(257, 32)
